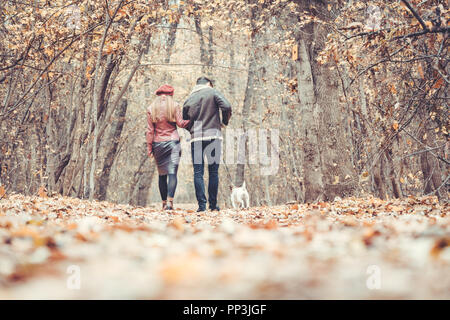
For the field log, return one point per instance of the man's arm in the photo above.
(224, 106)
(186, 111)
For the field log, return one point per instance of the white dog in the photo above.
(240, 197)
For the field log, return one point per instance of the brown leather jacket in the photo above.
(203, 108)
(163, 130)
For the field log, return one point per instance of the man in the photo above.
(203, 108)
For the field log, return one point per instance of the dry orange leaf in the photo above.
(323, 204)
(2, 191)
(80, 237)
(349, 222)
(308, 234)
(177, 223)
(272, 224)
(395, 126)
(124, 227)
(439, 245)
(254, 225)
(368, 223)
(57, 255)
(25, 232)
(295, 52)
(420, 69)
(42, 192)
(393, 89)
(369, 235)
(438, 83)
(178, 269)
(71, 226)
(114, 218)
(39, 241)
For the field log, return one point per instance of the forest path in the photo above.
(355, 248)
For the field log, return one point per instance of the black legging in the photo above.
(165, 189)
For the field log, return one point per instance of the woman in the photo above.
(163, 141)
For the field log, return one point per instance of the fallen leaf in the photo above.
(25, 232)
(272, 224)
(369, 235)
(113, 218)
(364, 176)
(42, 192)
(177, 223)
(395, 126)
(336, 180)
(438, 246)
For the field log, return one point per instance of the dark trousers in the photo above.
(211, 149)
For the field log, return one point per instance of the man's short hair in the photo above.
(204, 80)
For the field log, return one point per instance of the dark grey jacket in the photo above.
(203, 108)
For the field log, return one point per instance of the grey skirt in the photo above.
(167, 156)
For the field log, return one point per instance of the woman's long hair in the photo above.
(157, 107)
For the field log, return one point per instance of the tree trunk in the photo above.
(111, 153)
(312, 168)
(203, 53)
(395, 186)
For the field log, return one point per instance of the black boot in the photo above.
(169, 204)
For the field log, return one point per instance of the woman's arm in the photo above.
(150, 133)
(180, 122)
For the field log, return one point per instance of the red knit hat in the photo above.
(165, 89)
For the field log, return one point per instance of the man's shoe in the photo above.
(216, 208)
(201, 209)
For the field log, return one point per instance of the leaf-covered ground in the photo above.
(321, 251)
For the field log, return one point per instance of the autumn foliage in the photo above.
(358, 91)
(322, 250)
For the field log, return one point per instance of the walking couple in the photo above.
(201, 116)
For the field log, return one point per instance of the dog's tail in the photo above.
(243, 185)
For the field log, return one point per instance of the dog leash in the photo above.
(229, 175)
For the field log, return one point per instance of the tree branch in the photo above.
(434, 191)
(420, 33)
(422, 151)
(420, 142)
(190, 64)
(416, 15)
